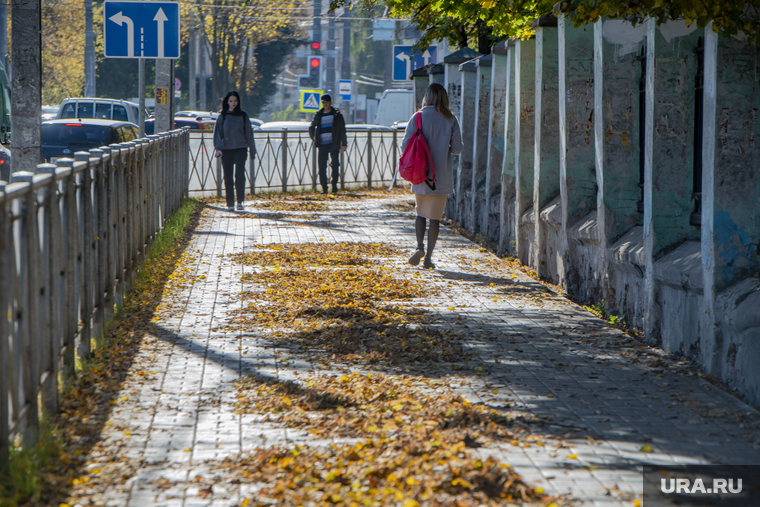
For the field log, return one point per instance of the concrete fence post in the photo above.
(481, 129)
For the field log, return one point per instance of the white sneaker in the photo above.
(230, 208)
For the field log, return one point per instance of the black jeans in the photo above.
(322, 153)
(234, 159)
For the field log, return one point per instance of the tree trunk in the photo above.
(26, 89)
(462, 36)
(484, 38)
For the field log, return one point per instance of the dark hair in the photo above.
(226, 103)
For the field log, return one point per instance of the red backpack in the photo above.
(415, 161)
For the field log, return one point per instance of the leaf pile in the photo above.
(294, 205)
(318, 254)
(412, 452)
(334, 296)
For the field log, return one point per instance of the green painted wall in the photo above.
(526, 102)
(579, 79)
(737, 163)
(673, 146)
(621, 138)
(549, 153)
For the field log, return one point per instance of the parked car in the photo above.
(190, 113)
(363, 126)
(399, 125)
(5, 163)
(49, 112)
(101, 109)
(395, 105)
(292, 126)
(63, 138)
(194, 122)
(255, 122)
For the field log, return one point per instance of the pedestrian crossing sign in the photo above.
(310, 101)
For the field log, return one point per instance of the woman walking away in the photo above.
(440, 129)
(233, 138)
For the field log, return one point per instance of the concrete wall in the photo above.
(546, 151)
(576, 151)
(600, 183)
(674, 130)
(525, 91)
(737, 163)
(507, 229)
(482, 125)
(496, 143)
(468, 73)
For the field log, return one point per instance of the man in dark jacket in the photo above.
(328, 131)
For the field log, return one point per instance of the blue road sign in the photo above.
(344, 89)
(141, 29)
(310, 101)
(403, 65)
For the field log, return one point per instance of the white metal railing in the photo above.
(286, 160)
(71, 238)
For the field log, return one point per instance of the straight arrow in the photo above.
(160, 18)
(120, 18)
(426, 56)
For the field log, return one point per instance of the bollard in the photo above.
(46, 168)
(22, 176)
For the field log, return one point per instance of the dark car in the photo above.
(5, 163)
(194, 122)
(63, 138)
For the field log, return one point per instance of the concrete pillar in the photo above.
(546, 147)
(437, 74)
(649, 316)
(525, 77)
(619, 145)
(164, 95)
(481, 127)
(453, 83)
(420, 83)
(576, 150)
(464, 188)
(507, 228)
(491, 212)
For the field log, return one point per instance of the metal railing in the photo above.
(287, 160)
(71, 239)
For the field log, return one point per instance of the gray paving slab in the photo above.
(600, 395)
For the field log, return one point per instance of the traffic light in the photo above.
(315, 46)
(313, 77)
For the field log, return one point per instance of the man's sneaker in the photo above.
(240, 206)
(230, 208)
(335, 190)
(416, 256)
(428, 264)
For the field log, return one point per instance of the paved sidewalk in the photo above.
(596, 396)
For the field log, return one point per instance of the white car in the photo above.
(101, 109)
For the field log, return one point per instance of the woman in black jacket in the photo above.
(233, 139)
